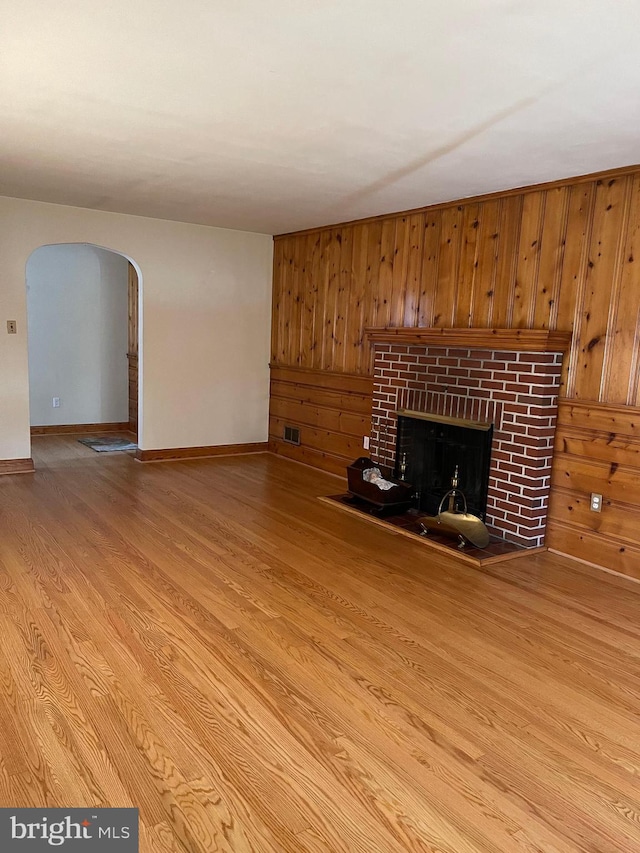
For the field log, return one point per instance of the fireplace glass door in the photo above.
(428, 452)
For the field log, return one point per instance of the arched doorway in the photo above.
(83, 330)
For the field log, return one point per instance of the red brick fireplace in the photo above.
(508, 378)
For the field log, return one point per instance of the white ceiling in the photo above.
(279, 115)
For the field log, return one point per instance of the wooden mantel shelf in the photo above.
(518, 340)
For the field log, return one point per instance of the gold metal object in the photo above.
(464, 523)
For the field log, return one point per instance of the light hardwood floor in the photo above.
(257, 671)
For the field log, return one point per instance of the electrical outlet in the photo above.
(596, 502)
(365, 442)
(12, 327)
(55, 402)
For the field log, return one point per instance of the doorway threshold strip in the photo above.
(108, 444)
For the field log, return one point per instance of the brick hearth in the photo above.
(516, 391)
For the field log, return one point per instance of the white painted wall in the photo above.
(206, 307)
(77, 310)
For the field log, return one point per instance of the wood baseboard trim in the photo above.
(79, 429)
(175, 454)
(16, 466)
(591, 565)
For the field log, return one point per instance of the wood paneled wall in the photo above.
(331, 410)
(597, 449)
(562, 256)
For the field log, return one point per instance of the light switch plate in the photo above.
(12, 327)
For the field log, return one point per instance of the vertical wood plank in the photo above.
(295, 314)
(354, 341)
(622, 359)
(448, 264)
(277, 309)
(430, 263)
(372, 285)
(467, 267)
(547, 284)
(321, 315)
(331, 298)
(508, 240)
(399, 275)
(343, 297)
(604, 251)
(281, 304)
(309, 299)
(528, 260)
(414, 270)
(385, 273)
(573, 277)
(483, 297)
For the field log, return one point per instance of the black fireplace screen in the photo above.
(427, 453)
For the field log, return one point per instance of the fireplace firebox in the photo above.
(430, 448)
